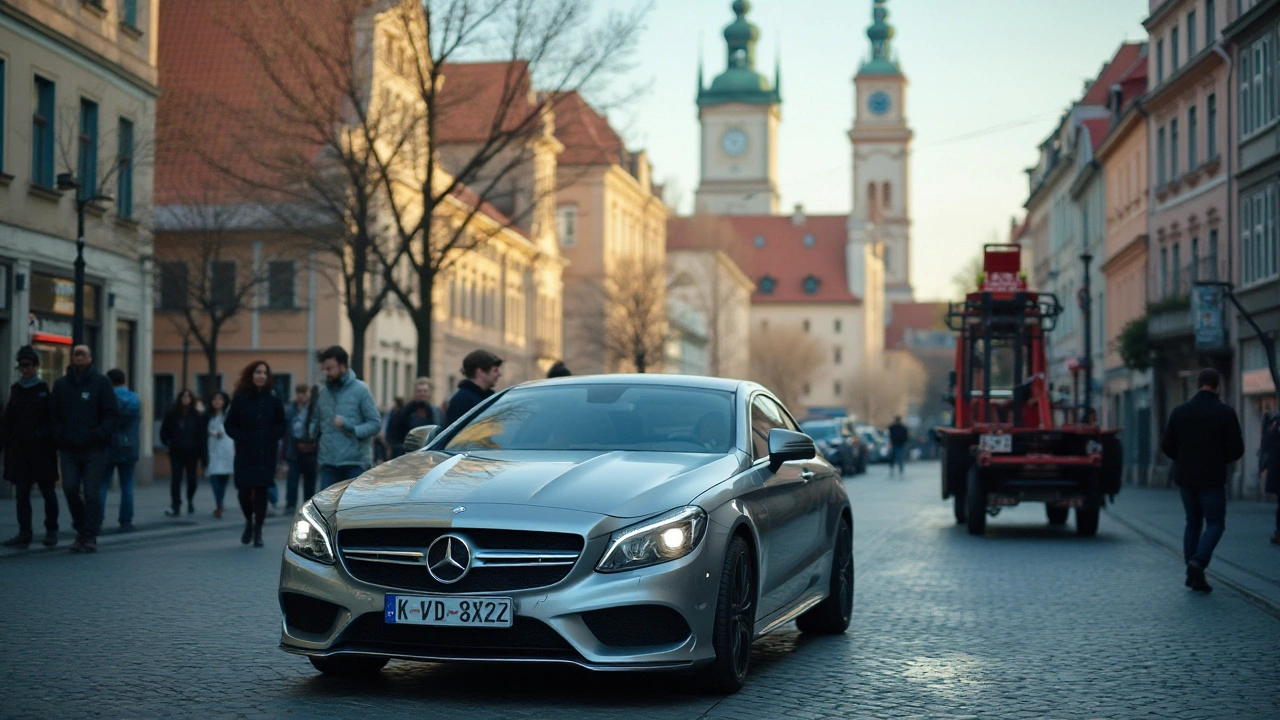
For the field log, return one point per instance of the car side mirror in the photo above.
(788, 445)
(419, 437)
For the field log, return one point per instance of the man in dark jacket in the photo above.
(84, 417)
(482, 370)
(1202, 438)
(419, 412)
(898, 439)
(30, 454)
(1269, 463)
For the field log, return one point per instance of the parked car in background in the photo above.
(878, 448)
(838, 446)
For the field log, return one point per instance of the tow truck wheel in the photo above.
(977, 504)
(961, 508)
(1057, 515)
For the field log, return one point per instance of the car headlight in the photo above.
(657, 540)
(309, 536)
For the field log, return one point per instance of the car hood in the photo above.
(621, 484)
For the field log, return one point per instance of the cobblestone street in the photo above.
(1027, 622)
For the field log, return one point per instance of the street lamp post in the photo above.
(1086, 307)
(67, 181)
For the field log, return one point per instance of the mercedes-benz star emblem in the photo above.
(448, 559)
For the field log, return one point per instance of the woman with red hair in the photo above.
(256, 423)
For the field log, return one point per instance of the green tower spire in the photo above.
(881, 34)
(739, 82)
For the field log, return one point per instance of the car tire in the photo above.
(734, 628)
(977, 503)
(831, 616)
(1087, 520)
(1057, 515)
(961, 508)
(351, 666)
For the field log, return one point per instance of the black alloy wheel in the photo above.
(977, 503)
(832, 615)
(350, 666)
(1057, 515)
(734, 628)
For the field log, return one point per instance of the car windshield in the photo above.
(649, 418)
(821, 429)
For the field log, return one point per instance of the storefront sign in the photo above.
(1208, 316)
(57, 296)
(1257, 382)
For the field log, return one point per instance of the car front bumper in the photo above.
(551, 624)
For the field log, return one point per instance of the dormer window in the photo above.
(808, 240)
(811, 285)
(759, 241)
(767, 285)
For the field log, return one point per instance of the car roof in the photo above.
(697, 382)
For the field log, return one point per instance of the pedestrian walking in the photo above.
(183, 433)
(898, 439)
(558, 370)
(345, 420)
(122, 457)
(221, 449)
(1202, 438)
(300, 447)
(84, 415)
(419, 412)
(482, 370)
(30, 453)
(256, 423)
(1269, 463)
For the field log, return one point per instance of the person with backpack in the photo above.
(122, 456)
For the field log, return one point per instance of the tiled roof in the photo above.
(587, 137)
(1098, 128)
(912, 316)
(1120, 66)
(474, 94)
(784, 257)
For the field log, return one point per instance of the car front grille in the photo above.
(526, 638)
(504, 560)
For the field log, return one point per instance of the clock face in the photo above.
(734, 142)
(878, 103)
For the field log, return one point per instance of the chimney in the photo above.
(797, 218)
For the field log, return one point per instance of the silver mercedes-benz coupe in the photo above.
(615, 522)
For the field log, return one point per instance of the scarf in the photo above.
(28, 383)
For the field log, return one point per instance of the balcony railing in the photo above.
(1174, 284)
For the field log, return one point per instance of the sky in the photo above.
(988, 82)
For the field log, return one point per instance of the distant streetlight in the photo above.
(67, 181)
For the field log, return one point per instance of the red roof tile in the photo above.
(1120, 66)
(784, 256)
(587, 137)
(912, 316)
(477, 98)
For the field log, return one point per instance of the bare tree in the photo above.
(622, 319)
(785, 361)
(709, 285)
(882, 392)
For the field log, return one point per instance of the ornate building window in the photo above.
(811, 285)
(886, 196)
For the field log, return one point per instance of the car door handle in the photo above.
(806, 474)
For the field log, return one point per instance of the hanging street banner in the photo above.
(1208, 305)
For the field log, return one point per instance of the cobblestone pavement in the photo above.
(1028, 622)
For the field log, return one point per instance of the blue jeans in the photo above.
(1207, 509)
(219, 484)
(333, 474)
(126, 470)
(899, 457)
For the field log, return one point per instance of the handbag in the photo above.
(310, 444)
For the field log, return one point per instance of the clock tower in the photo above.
(881, 159)
(739, 113)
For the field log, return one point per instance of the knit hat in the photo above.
(26, 353)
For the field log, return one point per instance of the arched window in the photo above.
(871, 195)
(886, 260)
(886, 196)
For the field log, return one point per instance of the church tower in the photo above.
(739, 113)
(881, 160)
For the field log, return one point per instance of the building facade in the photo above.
(1254, 35)
(707, 281)
(78, 87)
(1190, 218)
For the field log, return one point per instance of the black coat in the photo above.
(30, 453)
(1269, 457)
(84, 411)
(255, 421)
(467, 396)
(185, 435)
(408, 419)
(1202, 438)
(898, 435)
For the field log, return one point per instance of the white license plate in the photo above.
(996, 443)
(449, 611)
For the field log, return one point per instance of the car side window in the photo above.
(780, 416)
(763, 419)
